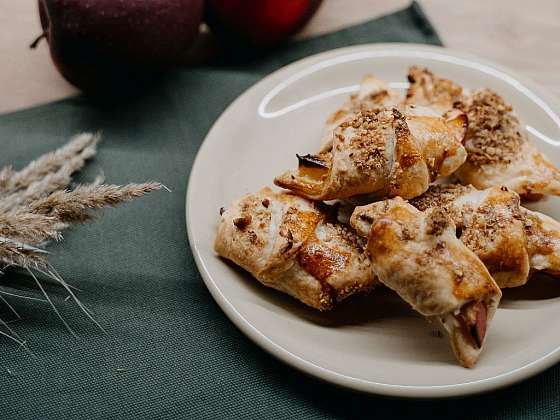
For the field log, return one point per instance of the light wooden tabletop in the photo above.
(515, 33)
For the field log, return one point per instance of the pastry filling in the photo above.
(313, 167)
(321, 261)
(459, 122)
(473, 318)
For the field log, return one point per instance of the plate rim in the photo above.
(306, 366)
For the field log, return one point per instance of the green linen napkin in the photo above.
(170, 351)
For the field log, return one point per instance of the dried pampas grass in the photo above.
(37, 204)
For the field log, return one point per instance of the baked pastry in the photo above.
(543, 241)
(418, 255)
(499, 151)
(430, 90)
(373, 93)
(489, 223)
(296, 246)
(380, 152)
(510, 240)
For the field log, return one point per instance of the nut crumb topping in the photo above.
(494, 133)
(242, 222)
(349, 235)
(439, 195)
(367, 139)
(437, 222)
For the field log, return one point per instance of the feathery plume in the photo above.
(29, 227)
(49, 163)
(50, 182)
(20, 254)
(72, 206)
(35, 206)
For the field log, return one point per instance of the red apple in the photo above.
(103, 44)
(258, 22)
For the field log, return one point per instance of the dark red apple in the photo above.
(259, 23)
(101, 45)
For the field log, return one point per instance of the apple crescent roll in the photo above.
(499, 151)
(382, 152)
(511, 240)
(418, 255)
(489, 223)
(294, 245)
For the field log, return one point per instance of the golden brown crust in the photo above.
(429, 90)
(511, 240)
(373, 146)
(438, 138)
(373, 93)
(411, 174)
(417, 255)
(494, 133)
(404, 242)
(499, 152)
(358, 160)
(376, 152)
(290, 244)
(440, 195)
(495, 233)
(543, 241)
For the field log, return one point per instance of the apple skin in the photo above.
(109, 45)
(258, 23)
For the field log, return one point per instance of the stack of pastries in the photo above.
(440, 174)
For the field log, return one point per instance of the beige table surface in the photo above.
(523, 35)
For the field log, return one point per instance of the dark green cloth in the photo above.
(170, 352)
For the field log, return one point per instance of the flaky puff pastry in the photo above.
(490, 223)
(380, 152)
(373, 93)
(512, 241)
(543, 241)
(428, 89)
(499, 151)
(296, 246)
(418, 255)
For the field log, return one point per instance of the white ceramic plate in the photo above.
(376, 343)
